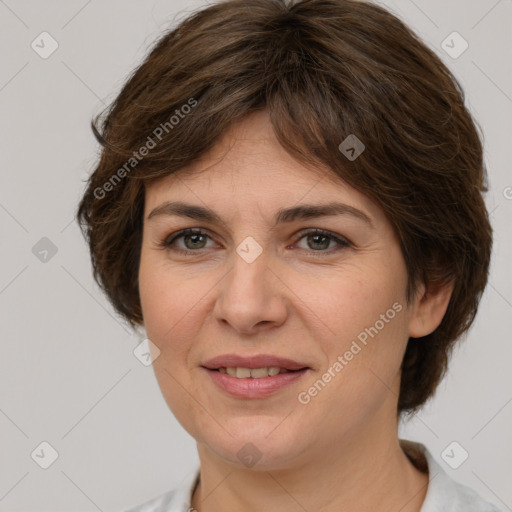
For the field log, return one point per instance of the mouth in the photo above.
(242, 364)
(254, 373)
(253, 377)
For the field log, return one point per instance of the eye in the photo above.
(193, 240)
(319, 240)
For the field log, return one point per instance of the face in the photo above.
(321, 296)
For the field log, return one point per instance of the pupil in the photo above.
(325, 245)
(197, 239)
(194, 239)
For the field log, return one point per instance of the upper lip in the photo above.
(259, 361)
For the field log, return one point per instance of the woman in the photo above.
(289, 201)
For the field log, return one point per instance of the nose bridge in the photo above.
(248, 294)
(247, 280)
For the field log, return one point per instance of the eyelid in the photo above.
(168, 240)
(341, 241)
(319, 231)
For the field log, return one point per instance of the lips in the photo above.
(253, 377)
(253, 362)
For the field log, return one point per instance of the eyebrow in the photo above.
(283, 215)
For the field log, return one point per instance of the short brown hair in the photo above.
(324, 69)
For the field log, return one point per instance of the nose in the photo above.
(252, 297)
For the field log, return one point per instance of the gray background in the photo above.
(67, 372)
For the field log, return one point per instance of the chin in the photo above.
(261, 447)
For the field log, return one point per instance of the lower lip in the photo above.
(254, 388)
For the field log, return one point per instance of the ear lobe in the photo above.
(429, 308)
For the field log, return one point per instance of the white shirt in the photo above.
(443, 493)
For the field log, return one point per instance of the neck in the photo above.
(366, 471)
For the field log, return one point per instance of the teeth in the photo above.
(243, 373)
(255, 373)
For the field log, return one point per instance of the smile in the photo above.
(246, 386)
(255, 373)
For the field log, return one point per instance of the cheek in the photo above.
(173, 305)
(365, 333)
(163, 301)
(163, 293)
(363, 351)
(168, 309)
(352, 301)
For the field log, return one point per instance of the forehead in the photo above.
(248, 147)
(249, 166)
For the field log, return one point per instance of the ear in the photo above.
(429, 308)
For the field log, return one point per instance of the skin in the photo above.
(301, 298)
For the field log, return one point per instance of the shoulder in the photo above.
(162, 503)
(443, 492)
(176, 500)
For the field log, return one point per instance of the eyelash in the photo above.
(167, 243)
